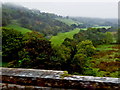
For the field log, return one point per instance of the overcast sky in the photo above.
(104, 9)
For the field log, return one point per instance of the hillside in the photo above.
(59, 38)
(33, 19)
(91, 22)
(47, 23)
(18, 28)
(68, 21)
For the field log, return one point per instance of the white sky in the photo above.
(84, 8)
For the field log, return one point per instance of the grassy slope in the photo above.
(67, 21)
(57, 40)
(17, 27)
(102, 27)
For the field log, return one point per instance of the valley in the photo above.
(79, 45)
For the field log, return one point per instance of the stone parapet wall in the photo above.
(55, 79)
(6, 86)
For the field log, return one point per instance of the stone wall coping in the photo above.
(54, 74)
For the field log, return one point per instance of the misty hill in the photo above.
(47, 23)
(91, 22)
(32, 19)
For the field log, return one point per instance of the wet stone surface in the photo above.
(5, 86)
(51, 78)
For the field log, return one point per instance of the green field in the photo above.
(68, 21)
(18, 28)
(58, 40)
(106, 27)
(105, 47)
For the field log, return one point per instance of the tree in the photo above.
(95, 35)
(36, 53)
(11, 44)
(86, 47)
(109, 37)
(85, 50)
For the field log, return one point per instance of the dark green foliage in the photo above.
(97, 36)
(36, 52)
(86, 47)
(11, 44)
(74, 56)
(85, 50)
(32, 50)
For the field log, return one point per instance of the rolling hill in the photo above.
(19, 28)
(68, 21)
(32, 19)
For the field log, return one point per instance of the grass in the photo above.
(105, 47)
(58, 40)
(68, 21)
(19, 28)
(106, 27)
(107, 53)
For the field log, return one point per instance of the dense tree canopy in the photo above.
(36, 52)
(97, 36)
(11, 44)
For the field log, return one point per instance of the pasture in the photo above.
(19, 28)
(58, 40)
(68, 21)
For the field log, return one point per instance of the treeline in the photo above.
(78, 52)
(97, 36)
(91, 22)
(32, 19)
(32, 50)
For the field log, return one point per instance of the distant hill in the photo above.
(19, 17)
(68, 21)
(91, 22)
(32, 19)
